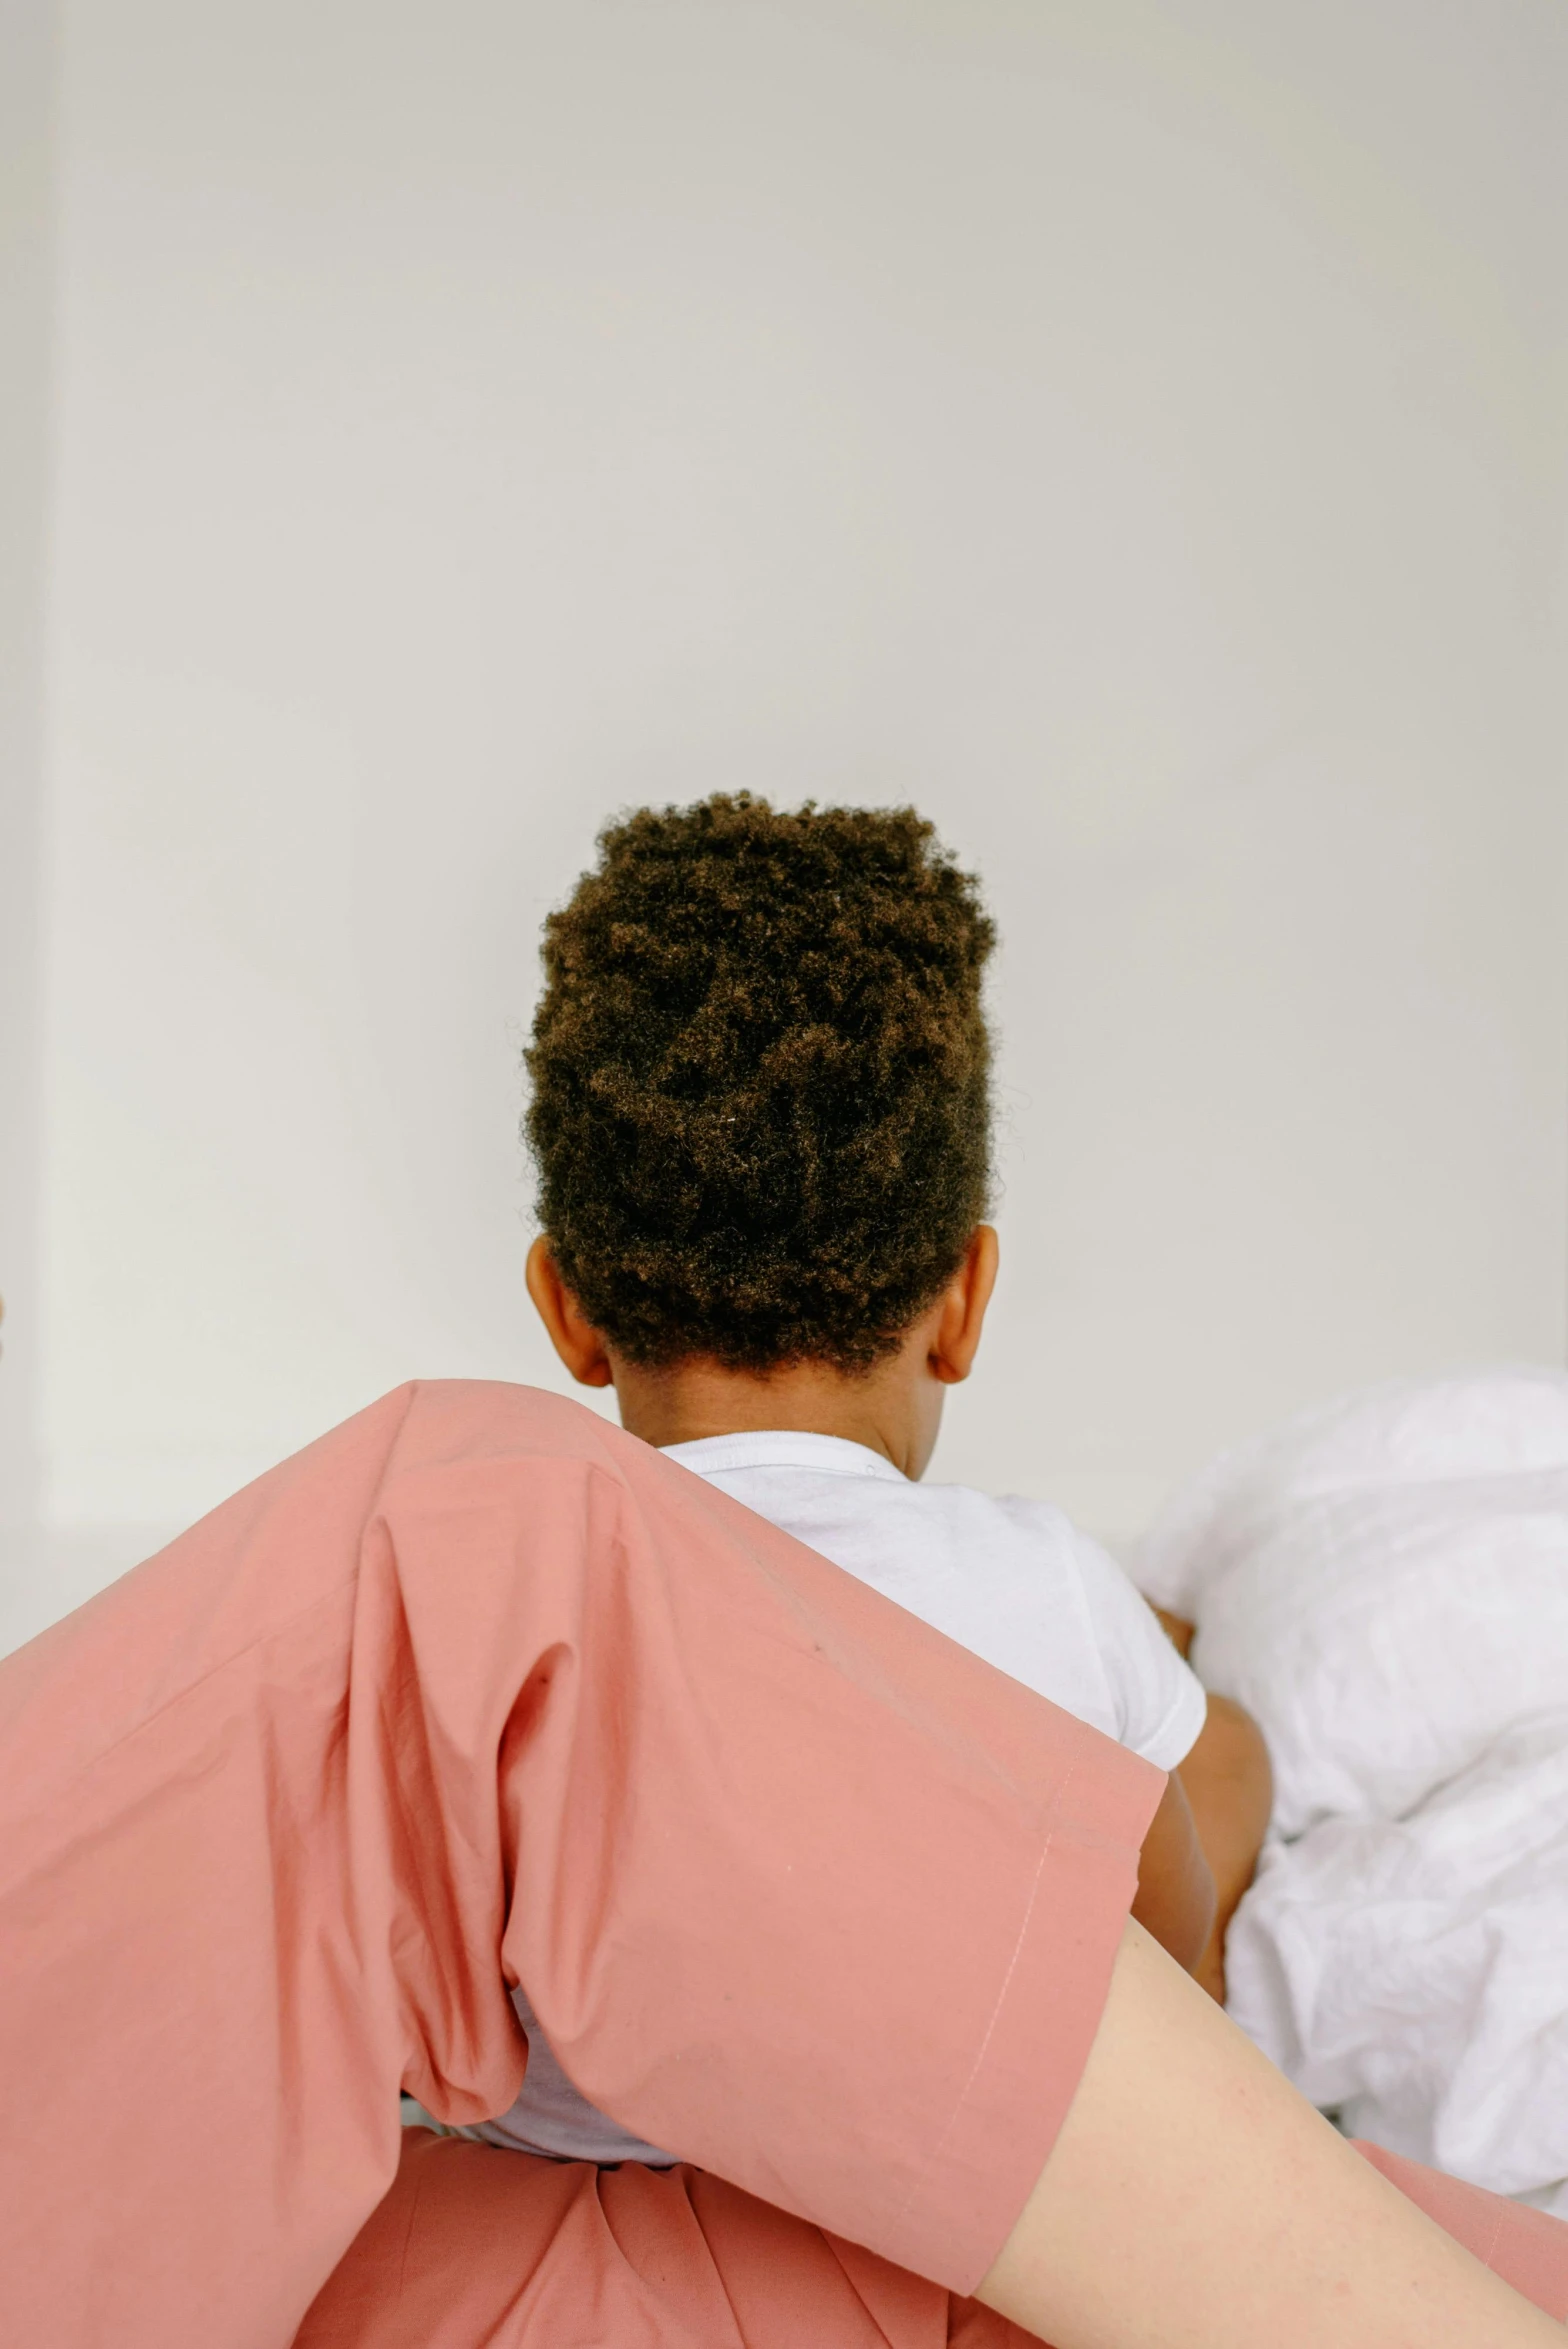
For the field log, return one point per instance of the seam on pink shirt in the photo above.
(998, 2003)
(1488, 2256)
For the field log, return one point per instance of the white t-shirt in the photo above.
(1010, 1579)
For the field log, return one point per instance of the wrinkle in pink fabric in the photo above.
(478, 1689)
(479, 2245)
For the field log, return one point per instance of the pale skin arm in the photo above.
(1194, 2201)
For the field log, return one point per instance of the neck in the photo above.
(888, 1410)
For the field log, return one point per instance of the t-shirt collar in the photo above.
(783, 1447)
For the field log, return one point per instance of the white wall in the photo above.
(1128, 430)
(26, 256)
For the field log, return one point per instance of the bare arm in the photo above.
(1230, 1789)
(1194, 2201)
(1176, 1898)
(1176, 1628)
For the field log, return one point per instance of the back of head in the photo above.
(760, 1070)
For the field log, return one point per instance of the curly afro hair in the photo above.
(761, 1082)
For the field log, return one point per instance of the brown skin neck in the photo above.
(894, 1408)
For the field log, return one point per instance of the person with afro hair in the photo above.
(761, 1121)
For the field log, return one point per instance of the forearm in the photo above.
(1175, 1899)
(1230, 1791)
(1195, 2201)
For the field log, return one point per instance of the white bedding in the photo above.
(1385, 1584)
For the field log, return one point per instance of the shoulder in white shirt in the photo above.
(1010, 1579)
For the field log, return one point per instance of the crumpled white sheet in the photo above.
(1384, 1583)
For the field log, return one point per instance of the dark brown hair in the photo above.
(761, 1105)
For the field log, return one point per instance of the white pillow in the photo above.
(1383, 1582)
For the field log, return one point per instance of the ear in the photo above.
(955, 1340)
(572, 1334)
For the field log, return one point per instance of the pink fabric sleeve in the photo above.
(1527, 2248)
(474, 1690)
